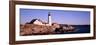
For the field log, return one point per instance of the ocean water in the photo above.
(80, 29)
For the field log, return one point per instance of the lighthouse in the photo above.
(49, 19)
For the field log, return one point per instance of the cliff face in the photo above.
(32, 29)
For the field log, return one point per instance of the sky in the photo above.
(58, 16)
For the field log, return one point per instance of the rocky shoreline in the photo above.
(33, 29)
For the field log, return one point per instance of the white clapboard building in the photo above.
(39, 22)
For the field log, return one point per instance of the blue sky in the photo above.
(58, 16)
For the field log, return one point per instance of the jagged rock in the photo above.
(32, 29)
(28, 29)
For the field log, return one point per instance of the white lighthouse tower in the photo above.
(49, 19)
